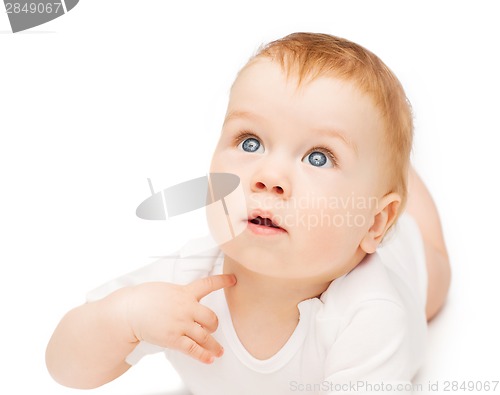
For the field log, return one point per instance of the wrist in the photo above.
(118, 309)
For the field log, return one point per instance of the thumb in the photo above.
(206, 285)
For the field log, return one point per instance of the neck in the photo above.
(257, 294)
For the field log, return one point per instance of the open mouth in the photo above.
(264, 222)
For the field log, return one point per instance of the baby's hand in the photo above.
(171, 316)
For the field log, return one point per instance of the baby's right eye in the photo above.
(251, 144)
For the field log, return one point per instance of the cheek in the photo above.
(227, 161)
(323, 241)
(215, 164)
(227, 213)
(332, 233)
(220, 157)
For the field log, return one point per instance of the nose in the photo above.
(274, 181)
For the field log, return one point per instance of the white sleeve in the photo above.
(372, 355)
(159, 270)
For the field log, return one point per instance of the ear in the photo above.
(383, 219)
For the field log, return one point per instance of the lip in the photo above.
(264, 230)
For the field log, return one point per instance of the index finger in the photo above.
(206, 285)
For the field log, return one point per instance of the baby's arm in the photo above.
(422, 208)
(90, 344)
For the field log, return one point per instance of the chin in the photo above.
(253, 258)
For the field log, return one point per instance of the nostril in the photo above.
(260, 186)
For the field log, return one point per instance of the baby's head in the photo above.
(306, 56)
(319, 131)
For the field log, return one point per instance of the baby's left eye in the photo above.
(318, 159)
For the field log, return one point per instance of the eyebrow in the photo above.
(329, 132)
(340, 136)
(240, 114)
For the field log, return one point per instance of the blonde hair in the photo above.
(313, 55)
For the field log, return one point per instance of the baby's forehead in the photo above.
(262, 69)
(263, 77)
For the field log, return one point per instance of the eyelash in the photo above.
(242, 136)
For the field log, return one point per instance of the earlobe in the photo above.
(382, 221)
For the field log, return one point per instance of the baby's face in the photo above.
(308, 158)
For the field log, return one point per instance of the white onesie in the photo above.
(365, 334)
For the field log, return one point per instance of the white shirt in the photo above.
(365, 334)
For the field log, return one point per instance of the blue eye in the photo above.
(318, 159)
(251, 144)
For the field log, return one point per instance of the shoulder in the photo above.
(373, 318)
(374, 342)
(369, 281)
(387, 286)
(375, 337)
(364, 298)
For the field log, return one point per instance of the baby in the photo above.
(307, 298)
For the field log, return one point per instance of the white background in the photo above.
(115, 91)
